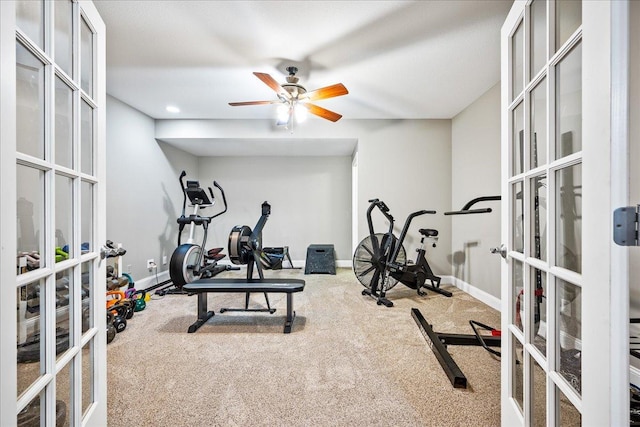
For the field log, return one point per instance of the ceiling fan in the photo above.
(292, 95)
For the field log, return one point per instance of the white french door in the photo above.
(52, 133)
(561, 364)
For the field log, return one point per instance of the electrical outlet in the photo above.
(129, 268)
(151, 263)
(164, 260)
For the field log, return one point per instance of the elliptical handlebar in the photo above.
(184, 193)
(224, 199)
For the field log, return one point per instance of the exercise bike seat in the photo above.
(428, 232)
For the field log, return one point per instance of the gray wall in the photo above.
(143, 195)
(410, 164)
(310, 200)
(407, 164)
(475, 136)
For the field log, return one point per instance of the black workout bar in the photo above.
(467, 208)
(450, 367)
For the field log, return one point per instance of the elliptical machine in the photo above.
(190, 261)
(380, 260)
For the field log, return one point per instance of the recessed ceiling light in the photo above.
(173, 109)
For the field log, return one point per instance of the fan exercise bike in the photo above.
(191, 261)
(380, 261)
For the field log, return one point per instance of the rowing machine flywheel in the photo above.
(240, 250)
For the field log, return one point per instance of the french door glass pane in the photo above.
(568, 19)
(30, 415)
(538, 36)
(517, 283)
(518, 140)
(87, 376)
(64, 124)
(30, 216)
(64, 218)
(86, 58)
(517, 62)
(518, 372)
(569, 332)
(569, 103)
(30, 19)
(517, 230)
(64, 312)
(87, 295)
(539, 217)
(86, 233)
(29, 103)
(569, 218)
(30, 348)
(63, 35)
(568, 414)
(63, 395)
(539, 318)
(86, 138)
(538, 395)
(538, 130)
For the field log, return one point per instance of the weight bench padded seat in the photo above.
(204, 286)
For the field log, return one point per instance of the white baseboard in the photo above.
(149, 281)
(479, 294)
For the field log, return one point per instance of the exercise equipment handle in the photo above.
(405, 229)
(467, 208)
(224, 199)
(184, 192)
(385, 211)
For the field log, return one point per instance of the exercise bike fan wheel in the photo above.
(366, 260)
(183, 261)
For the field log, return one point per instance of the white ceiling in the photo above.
(398, 59)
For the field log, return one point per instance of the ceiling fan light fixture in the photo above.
(283, 113)
(301, 113)
(292, 93)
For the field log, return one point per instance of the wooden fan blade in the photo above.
(322, 112)
(326, 92)
(236, 104)
(273, 84)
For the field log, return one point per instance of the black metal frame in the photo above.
(384, 259)
(438, 343)
(204, 286)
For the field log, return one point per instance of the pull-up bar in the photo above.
(467, 208)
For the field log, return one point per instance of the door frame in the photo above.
(97, 411)
(605, 174)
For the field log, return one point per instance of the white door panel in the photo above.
(565, 325)
(52, 213)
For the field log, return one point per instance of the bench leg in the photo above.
(288, 323)
(203, 314)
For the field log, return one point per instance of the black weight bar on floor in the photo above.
(439, 341)
(450, 367)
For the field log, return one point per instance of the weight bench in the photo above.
(204, 286)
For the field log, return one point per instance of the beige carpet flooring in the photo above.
(347, 362)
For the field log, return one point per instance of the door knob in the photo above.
(502, 250)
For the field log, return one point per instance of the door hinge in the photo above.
(625, 226)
